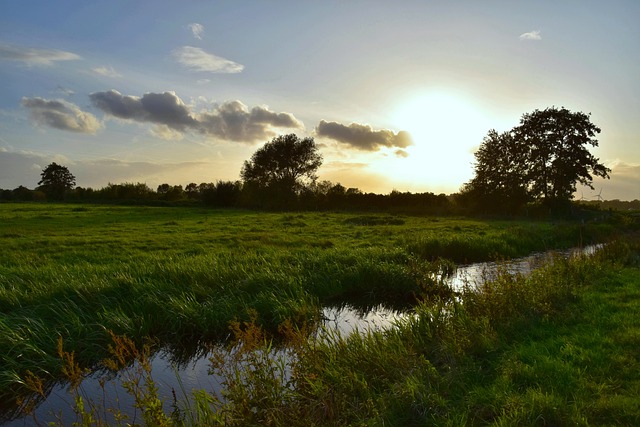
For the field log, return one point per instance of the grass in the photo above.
(180, 275)
(565, 354)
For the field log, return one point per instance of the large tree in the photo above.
(557, 156)
(286, 164)
(56, 180)
(543, 158)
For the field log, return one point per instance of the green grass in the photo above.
(566, 354)
(180, 275)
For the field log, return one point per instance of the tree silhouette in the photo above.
(556, 155)
(541, 159)
(284, 166)
(56, 180)
(500, 178)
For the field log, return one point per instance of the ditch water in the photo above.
(177, 381)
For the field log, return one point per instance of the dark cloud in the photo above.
(231, 120)
(162, 108)
(363, 137)
(168, 109)
(33, 56)
(61, 115)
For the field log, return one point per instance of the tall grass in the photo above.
(520, 351)
(180, 276)
(555, 348)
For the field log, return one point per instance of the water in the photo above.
(111, 394)
(195, 375)
(475, 274)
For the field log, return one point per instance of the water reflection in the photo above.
(474, 274)
(106, 391)
(347, 319)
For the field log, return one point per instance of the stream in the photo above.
(194, 375)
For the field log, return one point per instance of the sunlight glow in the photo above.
(446, 128)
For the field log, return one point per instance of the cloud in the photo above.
(232, 121)
(106, 72)
(161, 108)
(623, 184)
(63, 91)
(363, 137)
(61, 115)
(196, 59)
(35, 57)
(166, 133)
(197, 30)
(531, 35)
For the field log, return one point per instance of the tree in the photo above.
(541, 159)
(56, 180)
(192, 190)
(500, 177)
(556, 155)
(285, 165)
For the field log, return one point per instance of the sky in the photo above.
(397, 95)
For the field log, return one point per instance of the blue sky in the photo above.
(398, 94)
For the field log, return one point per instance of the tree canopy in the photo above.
(56, 180)
(286, 163)
(543, 158)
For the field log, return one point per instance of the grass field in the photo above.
(180, 275)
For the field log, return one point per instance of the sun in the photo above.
(445, 127)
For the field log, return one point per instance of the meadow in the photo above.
(82, 274)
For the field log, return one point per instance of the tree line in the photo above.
(534, 166)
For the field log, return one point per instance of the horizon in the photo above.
(398, 97)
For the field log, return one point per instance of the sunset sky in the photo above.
(398, 95)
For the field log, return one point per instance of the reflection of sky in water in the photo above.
(475, 274)
(346, 320)
(194, 375)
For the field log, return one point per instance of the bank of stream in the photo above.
(177, 380)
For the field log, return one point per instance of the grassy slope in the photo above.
(580, 368)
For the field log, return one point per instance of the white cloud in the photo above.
(106, 72)
(197, 30)
(34, 57)
(531, 35)
(61, 115)
(197, 59)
